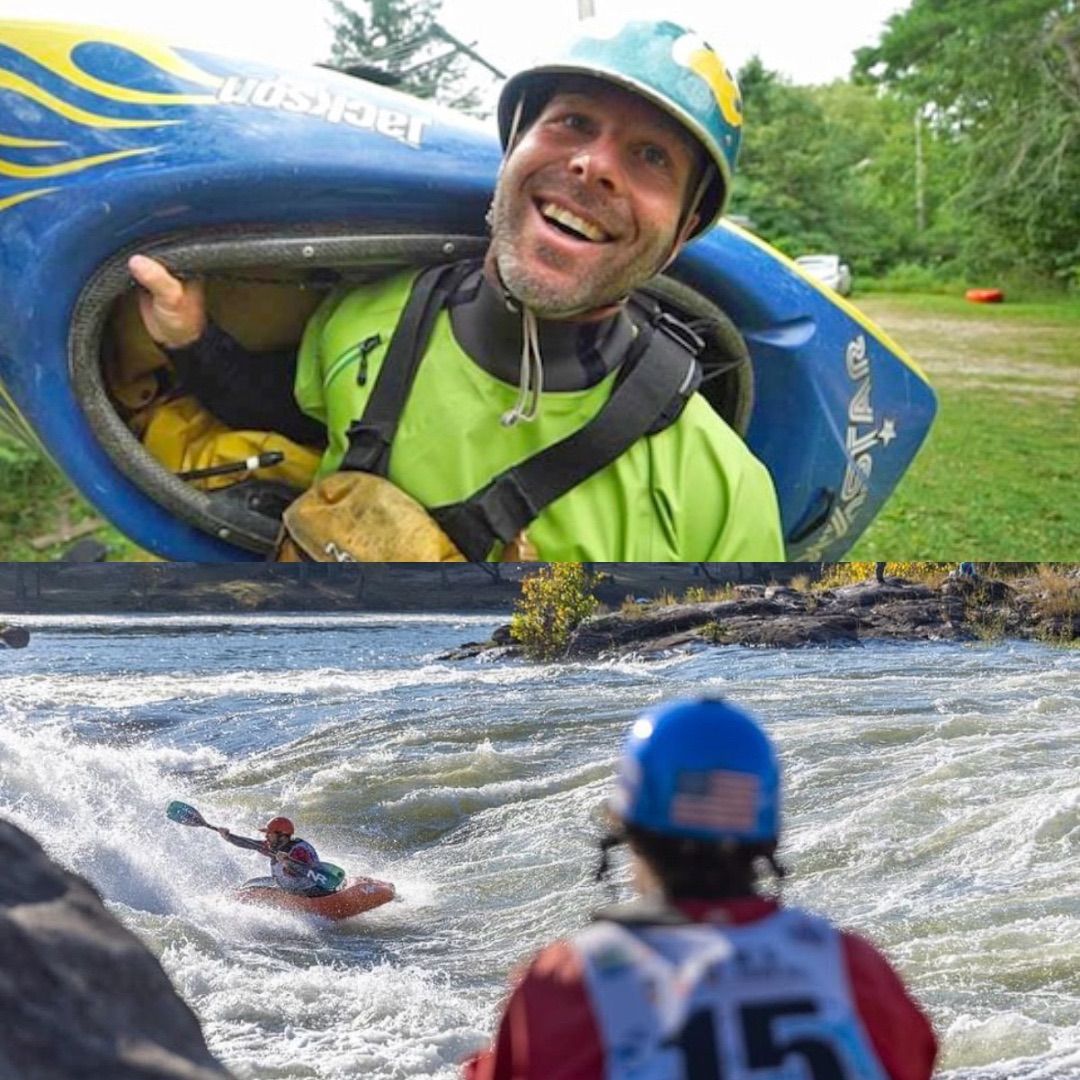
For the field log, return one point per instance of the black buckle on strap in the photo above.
(369, 448)
(490, 515)
(685, 335)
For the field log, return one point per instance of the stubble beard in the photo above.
(576, 294)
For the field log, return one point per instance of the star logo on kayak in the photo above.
(863, 437)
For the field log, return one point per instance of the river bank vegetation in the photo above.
(557, 616)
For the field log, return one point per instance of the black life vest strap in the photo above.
(658, 372)
(371, 437)
(655, 380)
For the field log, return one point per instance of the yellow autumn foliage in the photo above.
(848, 573)
(553, 602)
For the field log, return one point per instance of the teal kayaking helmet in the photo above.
(699, 768)
(663, 62)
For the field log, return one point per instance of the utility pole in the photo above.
(920, 175)
(460, 46)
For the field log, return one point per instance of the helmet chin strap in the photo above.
(691, 209)
(531, 373)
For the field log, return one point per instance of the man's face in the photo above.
(276, 840)
(589, 201)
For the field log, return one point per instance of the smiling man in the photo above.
(591, 201)
(528, 406)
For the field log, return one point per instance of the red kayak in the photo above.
(354, 897)
(985, 296)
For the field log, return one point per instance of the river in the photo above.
(932, 802)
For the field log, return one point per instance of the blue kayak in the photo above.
(278, 184)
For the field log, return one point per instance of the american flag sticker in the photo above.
(716, 800)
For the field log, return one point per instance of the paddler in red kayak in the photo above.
(289, 857)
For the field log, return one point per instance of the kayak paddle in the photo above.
(325, 875)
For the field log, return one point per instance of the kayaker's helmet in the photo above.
(699, 768)
(279, 825)
(668, 65)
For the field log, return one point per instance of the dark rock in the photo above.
(871, 593)
(485, 650)
(80, 995)
(466, 651)
(14, 637)
(910, 619)
(783, 592)
(655, 647)
(787, 631)
(86, 550)
(501, 652)
(617, 630)
(501, 644)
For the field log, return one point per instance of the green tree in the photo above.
(553, 602)
(784, 179)
(401, 43)
(1000, 81)
(829, 168)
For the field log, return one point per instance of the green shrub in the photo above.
(913, 278)
(553, 602)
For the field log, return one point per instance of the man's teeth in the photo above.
(571, 221)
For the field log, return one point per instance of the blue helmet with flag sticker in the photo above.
(668, 65)
(699, 768)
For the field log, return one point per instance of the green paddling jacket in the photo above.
(693, 492)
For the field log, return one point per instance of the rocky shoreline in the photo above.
(82, 996)
(778, 616)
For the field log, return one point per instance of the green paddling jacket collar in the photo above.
(691, 492)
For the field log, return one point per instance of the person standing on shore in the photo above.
(702, 976)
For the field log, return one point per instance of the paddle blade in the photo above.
(184, 814)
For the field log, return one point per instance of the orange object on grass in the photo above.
(985, 296)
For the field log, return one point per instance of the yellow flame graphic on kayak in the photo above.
(693, 53)
(11, 140)
(14, 200)
(53, 47)
(34, 172)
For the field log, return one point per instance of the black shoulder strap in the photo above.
(371, 436)
(660, 375)
(656, 379)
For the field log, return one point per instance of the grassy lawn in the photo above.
(996, 481)
(37, 503)
(998, 478)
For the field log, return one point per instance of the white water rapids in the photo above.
(932, 802)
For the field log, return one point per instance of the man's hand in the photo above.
(173, 311)
(223, 833)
